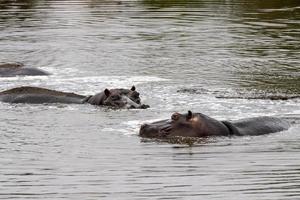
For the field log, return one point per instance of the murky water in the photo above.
(180, 55)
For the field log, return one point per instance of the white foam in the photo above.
(118, 80)
(134, 125)
(92, 84)
(83, 85)
(26, 78)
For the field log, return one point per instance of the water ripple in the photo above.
(180, 55)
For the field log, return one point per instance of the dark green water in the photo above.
(180, 55)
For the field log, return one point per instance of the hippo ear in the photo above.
(132, 88)
(107, 92)
(189, 115)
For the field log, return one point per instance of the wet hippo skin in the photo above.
(200, 125)
(117, 98)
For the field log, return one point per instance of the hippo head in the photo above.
(186, 125)
(123, 98)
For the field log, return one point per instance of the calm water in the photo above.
(180, 55)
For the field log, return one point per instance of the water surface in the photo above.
(180, 55)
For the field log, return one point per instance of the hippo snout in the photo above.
(159, 129)
(144, 126)
(144, 106)
(143, 130)
(150, 131)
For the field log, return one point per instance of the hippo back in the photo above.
(258, 126)
(36, 95)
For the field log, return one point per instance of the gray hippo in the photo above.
(116, 98)
(18, 69)
(200, 125)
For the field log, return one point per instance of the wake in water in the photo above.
(240, 94)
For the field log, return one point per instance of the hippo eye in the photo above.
(175, 116)
(115, 97)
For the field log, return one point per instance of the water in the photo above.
(180, 55)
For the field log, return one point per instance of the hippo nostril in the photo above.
(166, 129)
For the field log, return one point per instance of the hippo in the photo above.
(18, 69)
(199, 125)
(115, 98)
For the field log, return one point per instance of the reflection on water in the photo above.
(201, 48)
(12, 11)
(18, 4)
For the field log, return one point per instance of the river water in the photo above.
(181, 55)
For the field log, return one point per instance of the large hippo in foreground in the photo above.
(200, 125)
(18, 69)
(116, 98)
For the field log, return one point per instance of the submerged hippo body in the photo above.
(118, 98)
(200, 125)
(18, 69)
